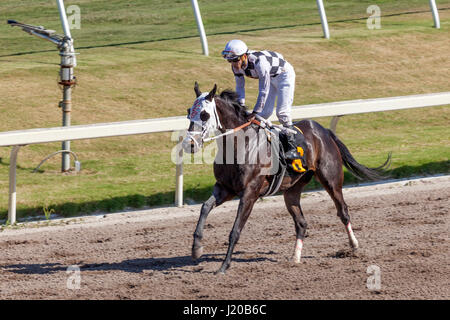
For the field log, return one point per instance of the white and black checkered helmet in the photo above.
(234, 49)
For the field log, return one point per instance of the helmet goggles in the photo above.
(230, 56)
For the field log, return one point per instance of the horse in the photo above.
(325, 156)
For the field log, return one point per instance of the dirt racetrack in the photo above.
(402, 227)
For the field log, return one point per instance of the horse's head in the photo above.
(204, 120)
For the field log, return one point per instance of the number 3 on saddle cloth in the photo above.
(294, 165)
(297, 163)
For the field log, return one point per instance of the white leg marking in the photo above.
(351, 236)
(298, 251)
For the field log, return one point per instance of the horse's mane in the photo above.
(231, 98)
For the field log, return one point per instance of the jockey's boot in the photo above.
(296, 150)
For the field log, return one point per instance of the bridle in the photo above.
(212, 123)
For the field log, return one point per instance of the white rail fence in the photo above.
(21, 138)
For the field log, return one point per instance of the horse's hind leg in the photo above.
(332, 179)
(292, 200)
(219, 196)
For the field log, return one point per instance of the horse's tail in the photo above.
(358, 170)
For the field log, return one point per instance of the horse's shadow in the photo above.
(134, 265)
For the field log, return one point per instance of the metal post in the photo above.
(333, 123)
(63, 17)
(179, 174)
(323, 19)
(200, 27)
(434, 10)
(66, 109)
(68, 62)
(12, 185)
(65, 26)
(67, 81)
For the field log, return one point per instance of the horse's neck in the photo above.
(228, 116)
(248, 140)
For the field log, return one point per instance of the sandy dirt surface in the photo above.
(402, 228)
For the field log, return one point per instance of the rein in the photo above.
(234, 130)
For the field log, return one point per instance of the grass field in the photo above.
(141, 60)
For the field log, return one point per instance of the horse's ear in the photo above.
(197, 90)
(211, 94)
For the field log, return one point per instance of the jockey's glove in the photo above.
(251, 116)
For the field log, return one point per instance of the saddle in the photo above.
(286, 168)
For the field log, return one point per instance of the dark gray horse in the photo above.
(325, 156)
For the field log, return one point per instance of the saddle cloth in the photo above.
(286, 167)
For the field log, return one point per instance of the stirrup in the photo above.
(292, 155)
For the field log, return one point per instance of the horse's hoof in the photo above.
(220, 272)
(222, 269)
(296, 260)
(354, 245)
(197, 252)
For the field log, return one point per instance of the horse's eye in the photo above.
(204, 116)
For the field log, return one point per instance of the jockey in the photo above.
(276, 81)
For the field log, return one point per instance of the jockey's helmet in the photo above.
(234, 50)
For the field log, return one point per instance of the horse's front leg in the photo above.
(245, 208)
(219, 196)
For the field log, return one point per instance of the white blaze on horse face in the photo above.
(351, 236)
(197, 108)
(298, 250)
(203, 105)
(201, 129)
(195, 135)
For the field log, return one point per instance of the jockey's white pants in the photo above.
(282, 91)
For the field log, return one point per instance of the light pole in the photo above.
(68, 62)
